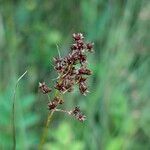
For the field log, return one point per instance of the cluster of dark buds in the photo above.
(44, 88)
(72, 69)
(76, 112)
(53, 104)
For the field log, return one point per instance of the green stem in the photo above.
(13, 110)
(49, 118)
(45, 132)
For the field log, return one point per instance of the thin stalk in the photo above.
(47, 125)
(45, 132)
(49, 118)
(13, 110)
(64, 111)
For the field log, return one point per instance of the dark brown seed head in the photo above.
(74, 47)
(59, 86)
(84, 71)
(81, 117)
(83, 88)
(44, 88)
(76, 110)
(54, 103)
(90, 46)
(78, 36)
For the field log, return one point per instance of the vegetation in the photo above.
(117, 108)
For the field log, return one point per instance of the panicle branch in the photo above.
(72, 70)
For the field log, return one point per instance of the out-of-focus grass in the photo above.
(117, 108)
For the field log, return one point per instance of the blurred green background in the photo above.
(118, 105)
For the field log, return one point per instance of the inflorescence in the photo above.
(72, 70)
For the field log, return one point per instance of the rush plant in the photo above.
(72, 70)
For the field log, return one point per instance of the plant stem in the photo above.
(13, 110)
(44, 136)
(47, 125)
(45, 132)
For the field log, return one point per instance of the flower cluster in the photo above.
(76, 112)
(72, 69)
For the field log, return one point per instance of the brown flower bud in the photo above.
(74, 47)
(90, 46)
(53, 104)
(59, 66)
(83, 88)
(82, 58)
(80, 79)
(76, 110)
(44, 88)
(59, 87)
(84, 71)
(81, 117)
(78, 36)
